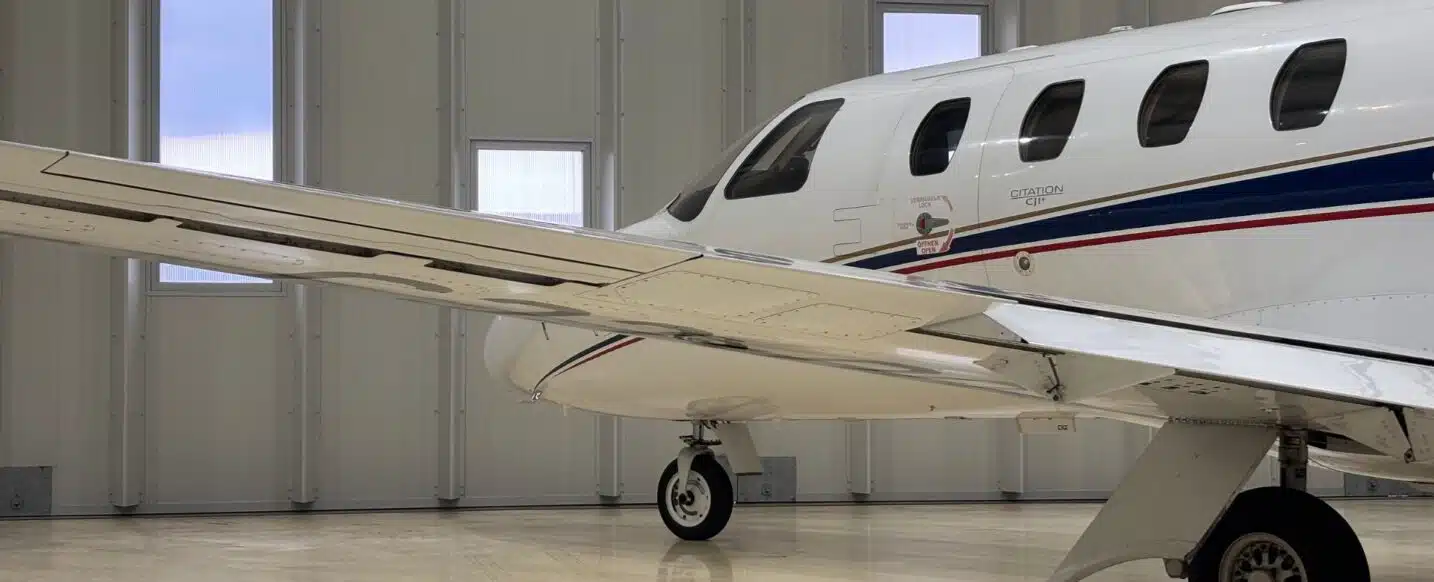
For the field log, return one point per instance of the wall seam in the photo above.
(452, 323)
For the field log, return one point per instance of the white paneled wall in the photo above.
(55, 351)
(220, 371)
(214, 403)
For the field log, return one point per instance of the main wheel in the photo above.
(1276, 534)
(701, 508)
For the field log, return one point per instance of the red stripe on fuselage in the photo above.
(1172, 232)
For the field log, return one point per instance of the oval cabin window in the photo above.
(938, 135)
(1050, 121)
(1171, 103)
(1307, 84)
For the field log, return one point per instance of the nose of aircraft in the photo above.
(504, 343)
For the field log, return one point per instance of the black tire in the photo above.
(694, 519)
(1319, 537)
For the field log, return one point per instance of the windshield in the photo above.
(687, 205)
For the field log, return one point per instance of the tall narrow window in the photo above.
(216, 99)
(1050, 121)
(1171, 103)
(913, 35)
(1307, 84)
(937, 137)
(782, 161)
(543, 181)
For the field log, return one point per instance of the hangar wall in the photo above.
(347, 399)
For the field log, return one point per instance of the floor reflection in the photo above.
(976, 542)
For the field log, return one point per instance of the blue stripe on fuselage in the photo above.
(1393, 177)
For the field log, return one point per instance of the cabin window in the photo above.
(783, 159)
(1170, 105)
(937, 137)
(1305, 89)
(1050, 121)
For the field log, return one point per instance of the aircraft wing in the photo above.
(1061, 351)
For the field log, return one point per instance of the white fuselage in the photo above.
(1312, 229)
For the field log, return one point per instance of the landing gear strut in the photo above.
(1181, 502)
(1281, 534)
(695, 495)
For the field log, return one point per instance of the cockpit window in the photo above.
(687, 205)
(782, 161)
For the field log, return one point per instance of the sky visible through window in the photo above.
(919, 39)
(216, 97)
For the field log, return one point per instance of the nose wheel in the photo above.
(701, 507)
(695, 494)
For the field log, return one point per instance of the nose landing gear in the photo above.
(695, 495)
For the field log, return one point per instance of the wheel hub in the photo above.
(689, 503)
(1261, 557)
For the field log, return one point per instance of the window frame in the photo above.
(760, 148)
(1023, 140)
(591, 207)
(155, 286)
(880, 8)
(1142, 125)
(1285, 71)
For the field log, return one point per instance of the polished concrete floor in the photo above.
(987, 543)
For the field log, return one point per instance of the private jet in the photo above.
(1182, 226)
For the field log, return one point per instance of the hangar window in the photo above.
(919, 34)
(1171, 103)
(543, 181)
(1305, 89)
(1050, 121)
(216, 105)
(783, 159)
(937, 137)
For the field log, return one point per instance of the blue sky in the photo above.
(216, 66)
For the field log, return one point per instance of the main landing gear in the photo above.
(695, 494)
(1279, 534)
(1177, 504)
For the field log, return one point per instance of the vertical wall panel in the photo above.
(647, 447)
(1052, 21)
(531, 68)
(54, 376)
(1162, 11)
(798, 48)
(380, 84)
(1085, 465)
(380, 409)
(531, 73)
(672, 98)
(520, 452)
(380, 98)
(216, 373)
(934, 459)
